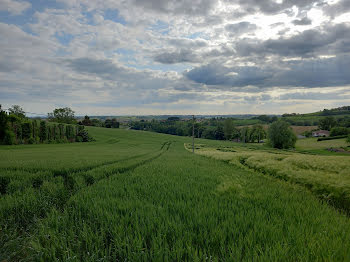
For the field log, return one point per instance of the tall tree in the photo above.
(228, 128)
(17, 110)
(62, 115)
(281, 135)
(327, 123)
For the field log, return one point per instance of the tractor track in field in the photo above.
(70, 170)
(26, 233)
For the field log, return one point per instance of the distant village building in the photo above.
(320, 133)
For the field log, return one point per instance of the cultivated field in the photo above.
(140, 196)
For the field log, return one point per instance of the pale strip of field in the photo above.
(326, 176)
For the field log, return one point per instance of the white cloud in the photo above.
(14, 7)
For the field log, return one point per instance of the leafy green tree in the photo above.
(327, 123)
(219, 133)
(281, 135)
(86, 121)
(339, 131)
(228, 128)
(62, 115)
(348, 139)
(42, 131)
(257, 133)
(3, 123)
(245, 134)
(26, 130)
(17, 110)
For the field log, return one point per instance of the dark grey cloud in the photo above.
(182, 56)
(303, 21)
(314, 96)
(322, 40)
(93, 66)
(300, 73)
(271, 6)
(187, 7)
(240, 28)
(341, 7)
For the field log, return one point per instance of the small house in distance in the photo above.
(320, 133)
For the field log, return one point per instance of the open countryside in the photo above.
(136, 195)
(175, 131)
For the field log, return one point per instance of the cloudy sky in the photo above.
(106, 57)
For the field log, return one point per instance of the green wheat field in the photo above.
(141, 196)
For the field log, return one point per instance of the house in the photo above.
(320, 133)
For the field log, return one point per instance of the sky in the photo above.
(142, 57)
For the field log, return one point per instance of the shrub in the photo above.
(339, 131)
(330, 138)
(9, 138)
(31, 141)
(26, 130)
(42, 131)
(348, 139)
(281, 135)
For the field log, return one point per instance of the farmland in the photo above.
(141, 196)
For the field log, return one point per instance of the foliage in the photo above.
(17, 111)
(3, 124)
(111, 123)
(281, 135)
(228, 128)
(339, 131)
(327, 123)
(43, 131)
(348, 139)
(62, 115)
(331, 138)
(9, 138)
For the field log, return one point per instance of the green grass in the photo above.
(140, 196)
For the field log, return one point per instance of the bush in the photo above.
(330, 138)
(42, 131)
(9, 138)
(31, 141)
(26, 130)
(348, 139)
(281, 135)
(339, 131)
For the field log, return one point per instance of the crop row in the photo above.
(42, 192)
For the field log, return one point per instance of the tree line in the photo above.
(16, 128)
(215, 128)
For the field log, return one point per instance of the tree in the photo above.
(228, 128)
(257, 133)
(245, 133)
(17, 110)
(42, 131)
(219, 133)
(86, 121)
(281, 135)
(327, 123)
(3, 124)
(339, 131)
(348, 139)
(62, 115)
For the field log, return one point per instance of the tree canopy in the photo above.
(62, 115)
(17, 110)
(281, 135)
